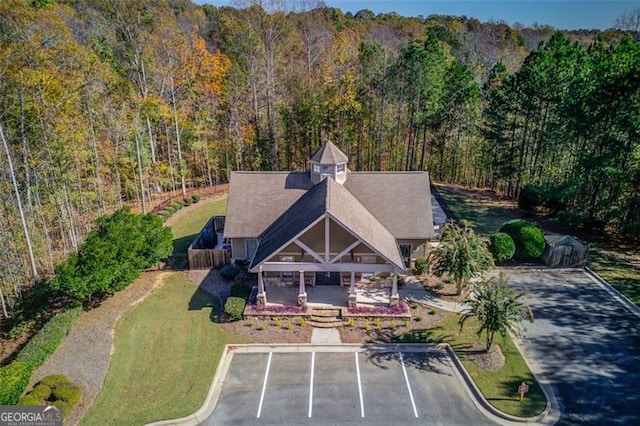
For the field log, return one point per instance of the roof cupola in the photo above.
(329, 161)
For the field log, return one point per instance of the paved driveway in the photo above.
(345, 387)
(586, 343)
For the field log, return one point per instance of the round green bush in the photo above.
(501, 246)
(171, 209)
(176, 206)
(188, 201)
(195, 198)
(54, 390)
(527, 237)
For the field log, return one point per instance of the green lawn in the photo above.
(499, 387)
(166, 352)
(619, 269)
(194, 219)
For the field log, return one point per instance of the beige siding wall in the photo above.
(418, 247)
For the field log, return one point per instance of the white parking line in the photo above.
(406, 378)
(313, 363)
(359, 385)
(264, 385)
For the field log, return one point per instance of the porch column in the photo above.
(302, 293)
(394, 300)
(262, 296)
(352, 291)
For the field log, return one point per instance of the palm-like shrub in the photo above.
(462, 255)
(497, 307)
(527, 237)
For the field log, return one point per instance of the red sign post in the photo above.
(522, 389)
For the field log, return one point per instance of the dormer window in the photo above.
(340, 168)
(327, 170)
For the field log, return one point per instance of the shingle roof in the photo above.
(328, 197)
(329, 154)
(400, 201)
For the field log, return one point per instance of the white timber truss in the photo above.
(325, 262)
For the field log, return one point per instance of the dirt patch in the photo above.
(492, 360)
(441, 287)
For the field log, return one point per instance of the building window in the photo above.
(316, 168)
(405, 252)
(250, 246)
(327, 169)
(340, 168)
(367, 259)
(286, 259)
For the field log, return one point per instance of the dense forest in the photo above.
(104, 104)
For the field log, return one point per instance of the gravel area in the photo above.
(84, 354)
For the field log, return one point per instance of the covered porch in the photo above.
(369, 292)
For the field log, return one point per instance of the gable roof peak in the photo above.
(329, 154)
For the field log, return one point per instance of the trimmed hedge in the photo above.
(234, 308)
(501, 246)
(527, 237)
(54, 390)
(46, 341)
(14, 378)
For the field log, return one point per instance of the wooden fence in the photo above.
(202, 253)
(208, 258)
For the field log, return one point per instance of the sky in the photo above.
(561, 14)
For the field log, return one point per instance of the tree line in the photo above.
(105, 104)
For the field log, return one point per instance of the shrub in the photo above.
(176, 206)
(171, 209)
(195, 198)
(228, 272)
(54, 390)
(262, 327)
(422, 265)
(276, 322)
(113, 254)
(289, 326)
(531, 196)
(377, 322)
(568, 218)
(14, 378)
(351, 323)
(366, 326)
(393, 326)
(433, 311)
(234, 308)
(501, 246)
(180, 203)
(45, 341)
(527, 237)
(188, 201)
(302, 322)
(418, 319)
(407, 323)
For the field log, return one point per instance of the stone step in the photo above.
(333, 324)
(323, 319)
(325, 312)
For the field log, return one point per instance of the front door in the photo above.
(327, 278)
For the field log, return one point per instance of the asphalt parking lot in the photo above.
(346, 387)
(586, 343)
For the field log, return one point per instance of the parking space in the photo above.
(345, 387)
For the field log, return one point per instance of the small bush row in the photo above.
(16, 375)
(55, 390)
(46, 341)
(234, 308)
(168, 211)
(14, 378)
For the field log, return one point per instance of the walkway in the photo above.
(84, 354)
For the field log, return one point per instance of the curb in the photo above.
(547, 417)
(619, 297)
(466, 381)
